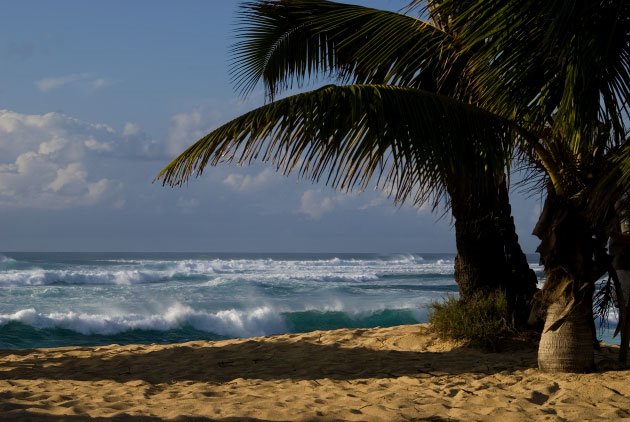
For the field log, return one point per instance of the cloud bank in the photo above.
(55, 161)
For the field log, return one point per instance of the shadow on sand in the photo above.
(27, 416)
(259, 360)
(253, 359)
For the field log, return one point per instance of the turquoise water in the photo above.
(61, 299)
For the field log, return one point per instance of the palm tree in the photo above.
(402, 122)
(549, 78)
(561, 71)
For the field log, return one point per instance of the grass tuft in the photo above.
(483, 320)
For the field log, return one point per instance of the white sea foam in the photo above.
(6, 262)
(257, 321)
(231, 322)
(36, 277)
(356, 308)
(239, 297)
(334, 270)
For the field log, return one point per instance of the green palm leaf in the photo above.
(562, 64)
(285, 42)
(613, 183)
(407, 139)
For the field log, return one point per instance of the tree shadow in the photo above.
(29, 416)
(297, 360)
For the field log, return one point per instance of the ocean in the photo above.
(63, 299)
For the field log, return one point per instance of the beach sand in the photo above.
(390, 374)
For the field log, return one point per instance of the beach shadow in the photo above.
(26, 416)
(264, 361)
(34, 417)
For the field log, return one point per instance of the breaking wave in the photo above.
(229, 323)
(127, 272)
(29, 328)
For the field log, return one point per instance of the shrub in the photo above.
(483, 320)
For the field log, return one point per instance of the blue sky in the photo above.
(96, 97)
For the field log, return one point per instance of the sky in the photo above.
(97, 97)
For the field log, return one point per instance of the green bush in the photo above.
(482, 321)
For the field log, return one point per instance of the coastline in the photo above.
(395, 373)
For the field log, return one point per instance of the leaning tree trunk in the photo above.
(569, 347)
(567, 251)
(489, 256)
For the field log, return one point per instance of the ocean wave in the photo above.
(316, 269)
(7, 262)
(230, 323)
(237, 270)
(253, 322)
(407, 258)
(445, 262)
(130, 277)
(38, 277)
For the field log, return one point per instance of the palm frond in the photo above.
(613, 183)
(406, 139)
(286, 42)
(603, 303)
(563, 64)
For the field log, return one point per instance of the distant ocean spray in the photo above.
(60, 299)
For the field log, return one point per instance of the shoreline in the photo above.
(394, 373)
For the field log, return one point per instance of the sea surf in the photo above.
(62, 299)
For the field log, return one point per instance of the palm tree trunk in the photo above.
(489, 256)
(567, 250)
(569, 347)
(625, 333)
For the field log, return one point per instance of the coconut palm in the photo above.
(561, 71)
(402, 123)
(549, 78)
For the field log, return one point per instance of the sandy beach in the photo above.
(397, 373)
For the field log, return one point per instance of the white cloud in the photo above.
(71, 178)
(95, 145)
(50, 84)
(374, 202)
(188, 127)
(56, 144)
(130, 129)
(247, 183)
(185, 129)
(385, 197)
(55, 161)
(315, 204)
(98, 83)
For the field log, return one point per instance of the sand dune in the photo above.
(397, 373)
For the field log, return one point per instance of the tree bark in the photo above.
(625, 334)
(489, 256)
(569, 347)
(567, 250)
